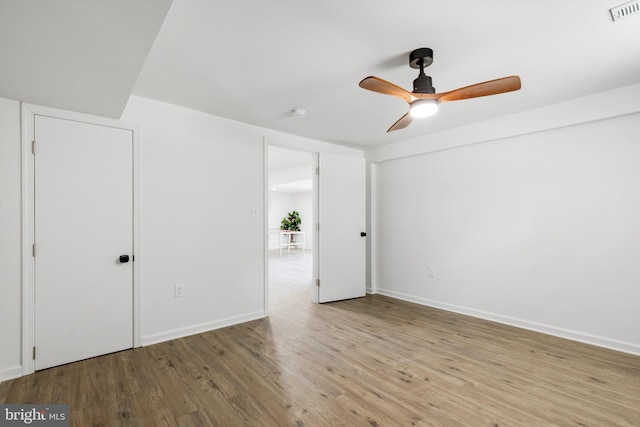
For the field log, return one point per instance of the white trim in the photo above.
(200, 328)
(315, 202)
(27, 120)
(373, 236)
(28, 113)
(137, 238)
(596, 340)
(265, 221)
(10, 373)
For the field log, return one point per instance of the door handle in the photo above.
(124, 258)
(363, 234)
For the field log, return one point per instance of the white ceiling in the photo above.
(73, 54)
(256, 60)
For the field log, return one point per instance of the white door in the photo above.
(83, 224)
(341, 212)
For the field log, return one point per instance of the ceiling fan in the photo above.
(424, 100)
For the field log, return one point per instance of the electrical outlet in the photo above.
(431, 271)
(178, 290)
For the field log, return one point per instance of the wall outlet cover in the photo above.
(178, 290)
(431, 271)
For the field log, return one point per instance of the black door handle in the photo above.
(124, 258)
(363, 234)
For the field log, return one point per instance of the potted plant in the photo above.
(291, 222)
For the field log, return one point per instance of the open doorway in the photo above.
(291, 242)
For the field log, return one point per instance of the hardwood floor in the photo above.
(373, 361)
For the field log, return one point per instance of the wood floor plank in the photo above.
(373, 361)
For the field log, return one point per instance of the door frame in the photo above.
(315, 247)
(28, 113)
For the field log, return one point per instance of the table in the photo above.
(288, 241)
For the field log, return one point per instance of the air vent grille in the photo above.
(625, 10)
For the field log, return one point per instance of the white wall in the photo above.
(10, 240)
(283, 203)
(192, 198)
(540, 230)
(303, 202)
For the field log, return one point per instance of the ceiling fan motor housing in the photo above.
(423, 84)
(421, 58)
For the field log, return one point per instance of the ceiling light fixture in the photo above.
(423, 108)
(424, 100)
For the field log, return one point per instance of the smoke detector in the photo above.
(299, 112)
(625, 9)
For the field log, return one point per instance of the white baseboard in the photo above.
(10, 373)
(625, 347)
(202, 327)
(16, 371)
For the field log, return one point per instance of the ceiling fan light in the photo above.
(423, 108)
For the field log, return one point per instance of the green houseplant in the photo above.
(291, 222)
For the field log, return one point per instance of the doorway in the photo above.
(337, 224)
(291, 197)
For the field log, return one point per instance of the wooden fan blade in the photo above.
(402, 122)
(492, 87)
(376, 84)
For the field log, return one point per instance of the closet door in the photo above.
(83, 240)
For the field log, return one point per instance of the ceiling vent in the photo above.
(625, 10)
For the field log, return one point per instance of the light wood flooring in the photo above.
(373, 361)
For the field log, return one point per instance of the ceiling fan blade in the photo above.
(376, 84)
(492, 87)
(402, 122)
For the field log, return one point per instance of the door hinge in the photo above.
(34, 352)
(33, 250)
(318, 282)
(318, 171)
(33, 146)
(318, 226)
